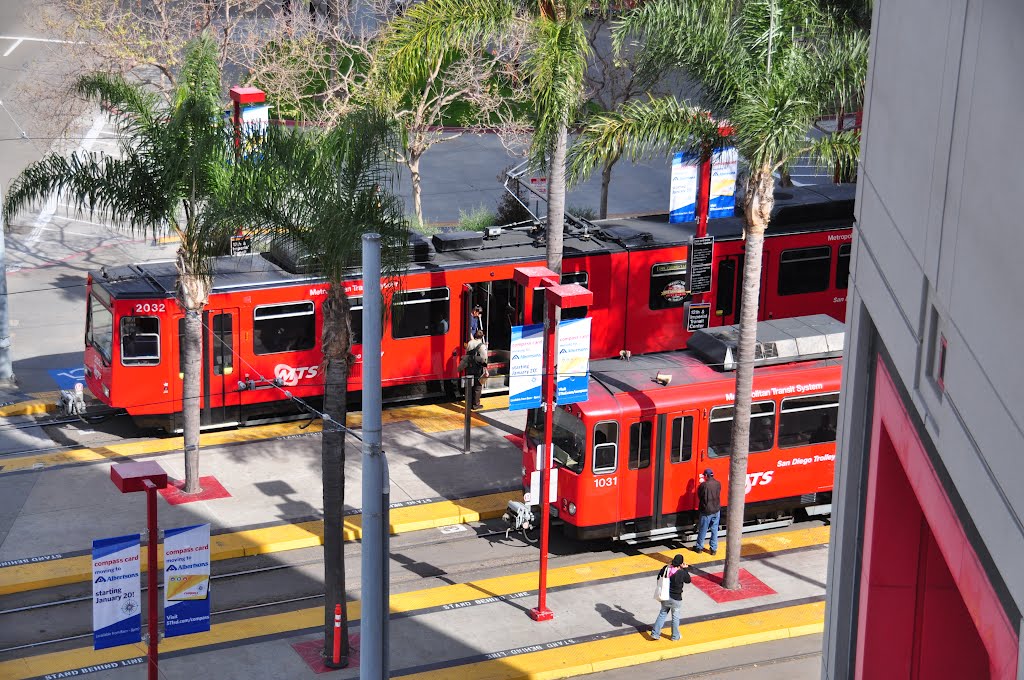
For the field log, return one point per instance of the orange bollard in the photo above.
(337, 633)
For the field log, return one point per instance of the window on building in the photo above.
(140, 340)
(762, 429)
(575, 313)
(682, 439)
(606, 447)
(843, 267)
(640, 445)
(804, 270)
(808, 420)
(418, 313)
(668, 285)
(284, 328)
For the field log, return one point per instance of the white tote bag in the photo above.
(661, 591)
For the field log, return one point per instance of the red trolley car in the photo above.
(262, 325)
(629, 459)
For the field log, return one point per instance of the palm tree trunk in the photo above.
(190, 393)
(417, 192)
(556, 199)
(606, 180)
(758, 208)
(336, 344)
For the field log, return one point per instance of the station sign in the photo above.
(526, 367)
(573, 375)
(187, 580)
(241, 245)
(698, 316)
(116, 604)
(701, 258)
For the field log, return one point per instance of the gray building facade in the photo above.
(926, 574)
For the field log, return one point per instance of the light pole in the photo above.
(6, 370)
(146, 476)
(560, 296)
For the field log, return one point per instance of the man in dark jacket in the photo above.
(709, 507)
(677, 575)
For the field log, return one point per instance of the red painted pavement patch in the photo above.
(310, 653)
(211, 490)
(750, 586)
(516, 439)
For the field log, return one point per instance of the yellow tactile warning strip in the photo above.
(586, 657)
(431, 418)
(38, 575)
(40, 403)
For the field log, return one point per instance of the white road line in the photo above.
(44, 217)
(47, 40)
(13, 47)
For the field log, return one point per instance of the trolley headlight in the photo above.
(572, 508)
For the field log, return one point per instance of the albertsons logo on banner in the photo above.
(682, 197)
(724, 166)
(116, 606)
(187, 580)
(526, 367)
(573, 361)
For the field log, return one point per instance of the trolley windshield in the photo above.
(567, 434)
(99, 327)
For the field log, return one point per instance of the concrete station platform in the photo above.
(53, 505)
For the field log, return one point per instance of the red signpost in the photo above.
(243, 95)
(557, 296)
(146, 476)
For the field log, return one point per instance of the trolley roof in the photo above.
(800, 209)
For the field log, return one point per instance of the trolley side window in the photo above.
(640, 445)
(762, 429)
(419, 313)
(668, 285)
(568, 436)
(726, 288)
(581, 278)
(808, 420)
(100, 328)
(355, 319)
(606, 447)
(284, 328)
(843, 267)
(804, 270)
(140, 340)
(223, 344)
(682, 439)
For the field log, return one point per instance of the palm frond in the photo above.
(135, 110)
(642, 129)
(555, 68)
(839, 150)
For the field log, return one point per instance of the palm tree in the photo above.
(172, 163)
(323, 190)
(555, 40)
(770, 68)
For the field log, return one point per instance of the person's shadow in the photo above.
(619, 617)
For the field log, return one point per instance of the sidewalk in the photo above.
(477, 629)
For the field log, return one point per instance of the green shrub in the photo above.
(582, 212)
(477, 220)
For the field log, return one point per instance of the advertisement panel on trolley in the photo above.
(116, 605)
(573, 374)
(187, 580)
(526, 367)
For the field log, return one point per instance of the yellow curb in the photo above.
(588, 657)
(40, 403)
(249, 542)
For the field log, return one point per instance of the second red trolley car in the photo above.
(629, 459)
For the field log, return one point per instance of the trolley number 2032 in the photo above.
(606, 481)
(151, 307)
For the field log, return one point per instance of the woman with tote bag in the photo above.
(669, 592)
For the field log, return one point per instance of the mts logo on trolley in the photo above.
(290, 376)
(753, 479)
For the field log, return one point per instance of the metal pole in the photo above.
(6, 370)
(541, 612)
(151, 569)
(467, 426)
(373, 664)
(704, 193)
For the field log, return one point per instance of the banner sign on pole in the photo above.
(724, 165)
(573, 376)
(683, 192)
(187, 580)
(116, 605)
(526, 368)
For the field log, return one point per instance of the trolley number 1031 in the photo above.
(606, 481)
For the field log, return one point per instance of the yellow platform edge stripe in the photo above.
(430, 418)
(36, 404)
(248, 542)
(233, 631)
